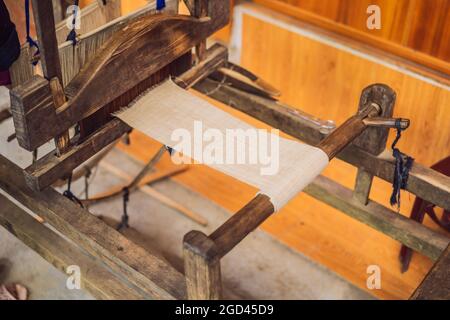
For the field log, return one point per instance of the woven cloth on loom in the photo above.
(168, 108)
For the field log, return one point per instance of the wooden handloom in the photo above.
(140, 53)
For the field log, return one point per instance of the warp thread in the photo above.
(87, 175)
(72, 36)
(403, 164)
(160, 4)
(30, 40)
(69, 194)
(170, 150)
(124, 221)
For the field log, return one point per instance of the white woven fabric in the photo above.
(168, 108)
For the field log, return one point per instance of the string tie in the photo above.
(69, 194)
(30, 40)
(403, 164)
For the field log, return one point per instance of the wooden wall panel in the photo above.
(409, 27)
(418, 24)
(327, 82)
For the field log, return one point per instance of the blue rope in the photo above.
(160, 4)
(170, 150)
(69, 194)
(125, 218)
(30, 40)
(403, 164)
(72, 36)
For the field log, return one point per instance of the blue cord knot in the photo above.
(403, 164)
(72, 36)
(30, 40)
(69, 194)
(160, 4)
(170, 150)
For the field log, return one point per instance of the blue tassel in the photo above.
(170, 150)
(30, 40)
(403, 164)
(72, 36)
(160, 4)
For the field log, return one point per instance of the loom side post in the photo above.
(374, 139)
(50, 168)
(51, 64)
(201, 267)
(200, 11)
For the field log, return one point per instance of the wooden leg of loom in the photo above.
(62, 141)
(51, 65)
(201, 267)
(201, 10)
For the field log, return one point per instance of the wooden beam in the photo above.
(190, 6)
(48, 169)
(48, 45)
(423, 182)
(392, 224)
(362, 186)
(373, 139)
(242, 79)
(51, 64)
(201, 267)
(95, 277)
(62, 141)
(200, 11)
(436, 284)
(345, 134)
(235, 229)
(215, 57)
(150, 273)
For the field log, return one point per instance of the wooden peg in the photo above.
(200, 11)
(374, 138)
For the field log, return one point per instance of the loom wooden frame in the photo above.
(135, 273)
